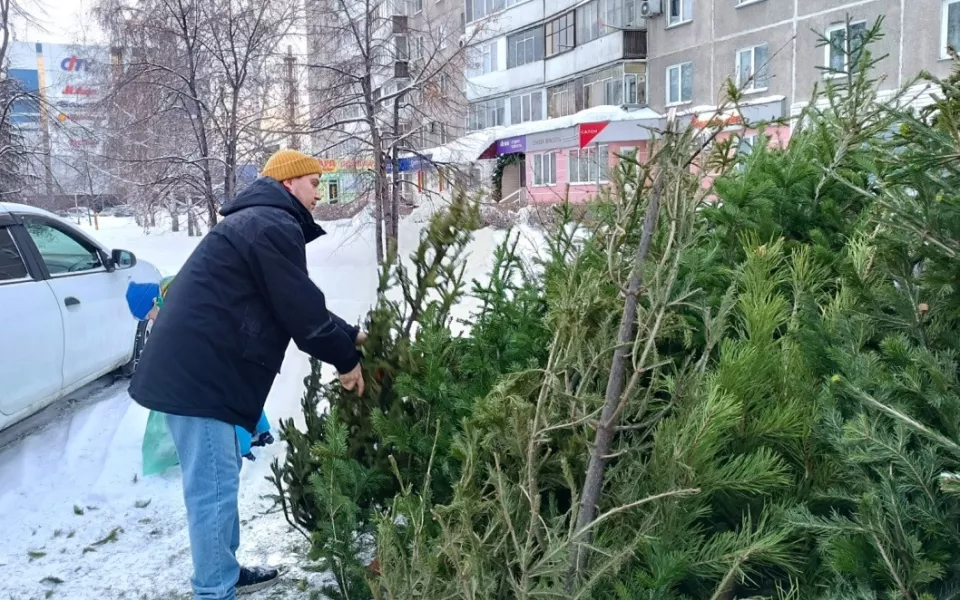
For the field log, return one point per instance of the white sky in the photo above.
(58, 21)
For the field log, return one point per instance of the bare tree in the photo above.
(192, 83)
(13, 151)
(384, 82)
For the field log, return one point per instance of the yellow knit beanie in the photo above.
(290, 164)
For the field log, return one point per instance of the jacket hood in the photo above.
(269, 192)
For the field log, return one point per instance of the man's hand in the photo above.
(353, 380)
(361, 338)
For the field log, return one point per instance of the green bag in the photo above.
(159, 453)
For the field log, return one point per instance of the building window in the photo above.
(402, 52)
(588, 22)
(680, 83)
(587, 165)
(477, 9)
(950, 27)
(416, 6)
(526, 107)
(679, 11)
(604, 87)
(489, 113)
(631, 88)
(419, 50)
(545, 169)
(483, 59)
(442, 37)
(525, 47)
(561, 101)
(752, 68)
(836, 50)
(560, 34)
(333, 191)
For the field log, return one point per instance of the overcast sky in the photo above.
(58, 21)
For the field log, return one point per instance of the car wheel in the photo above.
(143, 332)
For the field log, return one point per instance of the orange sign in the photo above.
(336, 165)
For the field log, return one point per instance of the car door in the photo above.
(98, 329)
(31, 329)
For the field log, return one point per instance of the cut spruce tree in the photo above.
(786, 422)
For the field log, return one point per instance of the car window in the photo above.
(61, 251)
(11, 263)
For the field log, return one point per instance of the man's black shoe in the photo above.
(256, 578)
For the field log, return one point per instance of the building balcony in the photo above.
(630, 44)
(635, 44)
(501, 82)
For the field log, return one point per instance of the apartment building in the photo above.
(408, 51)
(774, 49)
(539, 59)
(567, 85)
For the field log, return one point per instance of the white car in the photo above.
(64, 318)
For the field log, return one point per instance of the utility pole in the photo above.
(290, 62)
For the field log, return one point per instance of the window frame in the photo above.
(9, 230)
(529, 38)
(484, 49)
(603, 173)
(532, 106)
(754, 70)
(76, 236)
(567, 93)
(680, 18)
(680, 101)
(401, 51)
(561, 32)
(636, 87)
(474, 110)
(944, 27)
(580, 23)
(828, 48)
(544, 182)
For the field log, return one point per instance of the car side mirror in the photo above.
(123, 259)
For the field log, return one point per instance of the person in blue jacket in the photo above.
(218, 345)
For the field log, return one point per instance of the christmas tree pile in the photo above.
(757, 398)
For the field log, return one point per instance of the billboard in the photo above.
(67, 117)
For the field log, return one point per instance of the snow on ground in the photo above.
(80, 522)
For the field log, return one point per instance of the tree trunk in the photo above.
(380, 177)
(593, 484)
(230, 174)
(174, 217)
(191, 219)
(392, 218)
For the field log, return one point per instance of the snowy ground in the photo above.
(78, 519)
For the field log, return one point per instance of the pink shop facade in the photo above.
(576, 161)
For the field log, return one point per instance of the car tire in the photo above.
(143, 332)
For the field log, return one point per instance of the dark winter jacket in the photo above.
(232, 310)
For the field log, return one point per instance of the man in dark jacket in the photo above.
(218, 344)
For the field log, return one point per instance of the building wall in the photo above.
(720, 28)
(576, 193)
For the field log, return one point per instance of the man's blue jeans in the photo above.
(210, 460)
